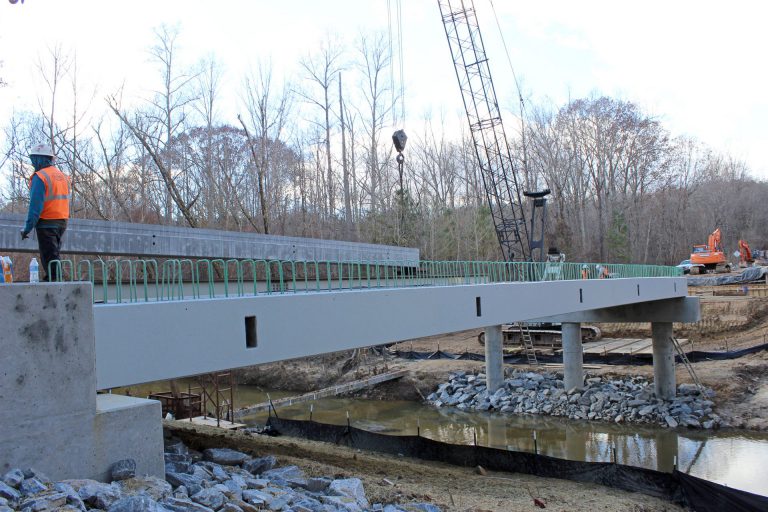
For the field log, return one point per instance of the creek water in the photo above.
(735, 458)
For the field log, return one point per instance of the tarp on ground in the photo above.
(747, 276)
(700, 495)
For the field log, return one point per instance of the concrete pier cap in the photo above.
(50, 415)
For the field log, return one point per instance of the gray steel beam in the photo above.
(680, 309)
(143, 342)
(97, 237)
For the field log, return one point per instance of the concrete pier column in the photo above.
(663, 360)
(494, 358)
(573, 356)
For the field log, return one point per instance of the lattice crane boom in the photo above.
(485, 124)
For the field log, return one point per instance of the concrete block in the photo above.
(128, 428)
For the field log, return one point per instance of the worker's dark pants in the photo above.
(49, 241)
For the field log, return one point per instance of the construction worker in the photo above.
(48, 207)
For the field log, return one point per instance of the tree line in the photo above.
(313, 157)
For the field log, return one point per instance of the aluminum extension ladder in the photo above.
(527, 341)
(687, 364)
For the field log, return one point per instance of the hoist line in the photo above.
(519, 92)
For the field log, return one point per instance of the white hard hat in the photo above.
(42, 150)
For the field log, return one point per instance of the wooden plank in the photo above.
(211, 422)
(626, 346)
(560, 365)
(332, 391)
(613, 345)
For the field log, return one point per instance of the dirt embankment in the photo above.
(391, 479)
(736, 323)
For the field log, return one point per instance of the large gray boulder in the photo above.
(45, 501)
(351, 487)
(283, 473)
(123, 469)
(211, 498)
(14, 477)
(184, 505)
(152, 486)
(187, 480)
(137, 503)
(8, 492)
(225, 456)
(258, 466)
(100, 495)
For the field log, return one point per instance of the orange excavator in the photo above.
(745, 254)
(711, 256)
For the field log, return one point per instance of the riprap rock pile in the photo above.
(217, 480)
(618, 400)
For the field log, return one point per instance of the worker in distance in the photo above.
(48, 207)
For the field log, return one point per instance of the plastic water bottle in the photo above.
(34, 271)
(7, 269)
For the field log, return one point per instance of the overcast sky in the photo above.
(699, 66)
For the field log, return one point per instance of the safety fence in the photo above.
(145, 280)
(695, 493)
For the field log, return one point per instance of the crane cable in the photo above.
(391, 70)
(400, 60)
(400, 91)
(519, 92)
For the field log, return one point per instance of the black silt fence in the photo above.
(700, 495)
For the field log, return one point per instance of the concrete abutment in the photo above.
(50, 415)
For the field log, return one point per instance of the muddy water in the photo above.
(733, 458)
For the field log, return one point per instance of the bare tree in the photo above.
(373, 64)
(52, 73)
(156, 128)
(321, 70)
(268, 113)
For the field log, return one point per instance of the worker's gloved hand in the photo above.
(24, 234)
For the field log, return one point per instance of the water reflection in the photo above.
(732, 458)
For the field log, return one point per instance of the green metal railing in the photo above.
(127, 280)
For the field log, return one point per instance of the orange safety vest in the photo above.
(56, 201)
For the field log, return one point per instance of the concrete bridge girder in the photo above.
(144, 342)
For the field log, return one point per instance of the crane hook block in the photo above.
(398, 139)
